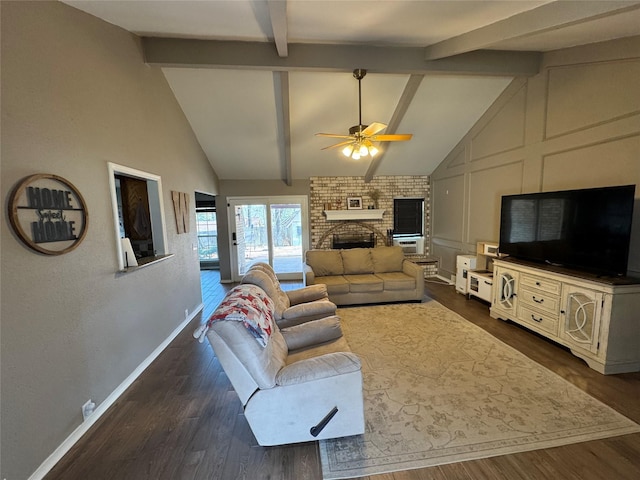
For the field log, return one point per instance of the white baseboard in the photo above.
(71, 440)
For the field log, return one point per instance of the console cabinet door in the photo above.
(580, 326)
(506, 285)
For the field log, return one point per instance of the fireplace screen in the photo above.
(353, 240)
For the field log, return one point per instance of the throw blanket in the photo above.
(248, 304)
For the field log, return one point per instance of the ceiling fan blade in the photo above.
(336, 145)
(332, 135)
(374, 128)
(397, 137)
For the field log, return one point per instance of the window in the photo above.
(207, 227)
(136, 198)
(268, 229)
(408, 216)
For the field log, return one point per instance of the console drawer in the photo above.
(544, 284)
(543, 321)
(540, 300)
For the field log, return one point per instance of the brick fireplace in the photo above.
(333, 192)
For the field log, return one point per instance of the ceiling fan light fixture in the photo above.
(360, 135)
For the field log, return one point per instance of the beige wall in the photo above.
(76, 95)
(575, 125)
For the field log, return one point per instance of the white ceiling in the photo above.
(257, 79)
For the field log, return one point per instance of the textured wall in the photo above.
(76, 95)
(574, 125)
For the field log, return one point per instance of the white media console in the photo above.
(598, 319)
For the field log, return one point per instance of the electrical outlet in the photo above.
(87, 409)
(186, 313)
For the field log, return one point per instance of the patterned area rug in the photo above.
(439, 389)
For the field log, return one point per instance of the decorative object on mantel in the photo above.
(361, 214)
(45, 209)
(375, 196)
(354, 203)
(181, 210)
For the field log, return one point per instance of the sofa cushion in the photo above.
(357, 261)
(303, 312)
(387, 259)
(316, 368)
(336, 284)
(364, 283)
(325, 262)
(397, 281)
(306, 294)
(312, 333)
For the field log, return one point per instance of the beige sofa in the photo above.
(365, 275)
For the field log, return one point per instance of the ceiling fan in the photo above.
(360, 140)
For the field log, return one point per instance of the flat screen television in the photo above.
(588, 229)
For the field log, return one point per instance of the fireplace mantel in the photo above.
(364, 214)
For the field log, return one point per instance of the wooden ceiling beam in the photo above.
(281, 81)
(278, 15)
(545, 18)
(406, 98)
(191, 53)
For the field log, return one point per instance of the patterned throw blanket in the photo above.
(245, 303)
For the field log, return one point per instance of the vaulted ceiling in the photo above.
(257, 79)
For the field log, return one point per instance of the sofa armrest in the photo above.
(305, 312)
(412, 269)
(312, 333)
(307, 294)
(309, 275)
(416, 271)
(315, 368)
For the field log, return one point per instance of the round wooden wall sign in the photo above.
(48, 214)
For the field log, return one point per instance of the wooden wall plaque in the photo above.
(48, 214)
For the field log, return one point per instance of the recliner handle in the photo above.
(315, 430)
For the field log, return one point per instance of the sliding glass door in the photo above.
(268, 229)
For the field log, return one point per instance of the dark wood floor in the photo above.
(182, 420)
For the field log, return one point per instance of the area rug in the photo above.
(439, 389)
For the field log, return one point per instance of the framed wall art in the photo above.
(354, 203)
(48, 214)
